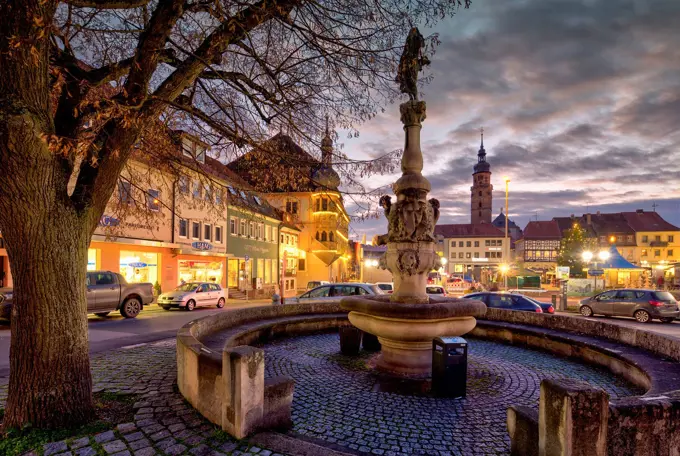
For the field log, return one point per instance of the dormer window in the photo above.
(257, 200)
(193, 150)
(231, 190)
(243, 195)
(292, 207)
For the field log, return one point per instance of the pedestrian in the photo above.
(660, 282)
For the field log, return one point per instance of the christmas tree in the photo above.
(570, 253)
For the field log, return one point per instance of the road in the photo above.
(669, 329)
(115, 331)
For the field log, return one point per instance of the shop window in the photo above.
(183, 184)
(301, 264)
(195, 230)
(200, 271)
(138, 267)
(152, 200)
(125, 192)
(268, 271)
(218, 234)
(331, 236)
(207, 232)
(233, 223)
(183, 228)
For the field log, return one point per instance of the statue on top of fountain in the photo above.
(412, 219)
(411, 63)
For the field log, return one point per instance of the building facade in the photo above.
(481, 192)
(474, 250)
(291, 258)
(539, 245)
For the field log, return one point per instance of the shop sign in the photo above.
(202, 245)
(138, 265)
(562, 272)
(107, 220)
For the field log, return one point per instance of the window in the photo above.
(268, 271)
(260, 230)
(499, 243)
(267, 233)
(460, 254)
(487, 254)
(619, 239)
(330, 236)
(257, 200)
(645, 238)
(324, 204)
(468, 255)
(195, 230)
(643, 253)
(207, 232)
(670, 253)
(283, 237)
(499, 255)
(243, 195)
(218, 234)
(251, 232)
(453, 244)
(292, 207)
(274, 235)
(242, 228)
(197, 190)
(218, 196)
(183, 184)
(480, 193)
(629, 238)
(657, 238)
(231, 190)
(480, 205)
(152, 200)
(476, 243)
(301, 264)
(670, 238)
(260, 268)
(487, 243)
(183, 228)
(657, 253)
(287, 238)
(460, 243)
(207, 192)
(232, 226)
(323, 236)
(476, 254)
(468, 244)
(603, 239)
(125, 192)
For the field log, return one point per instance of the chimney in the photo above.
(640, 211)
(589, 219)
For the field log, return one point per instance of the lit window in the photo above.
(152, 200)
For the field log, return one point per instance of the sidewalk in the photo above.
(163, 423)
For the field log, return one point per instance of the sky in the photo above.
(579, 100)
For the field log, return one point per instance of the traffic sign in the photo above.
(247, 258)
(595, 272)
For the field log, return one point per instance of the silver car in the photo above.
(643, 305)
(334, 292)
(193, 294)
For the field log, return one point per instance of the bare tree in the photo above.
(81, 81)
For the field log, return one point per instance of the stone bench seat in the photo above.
(646, 369)
(261, 331)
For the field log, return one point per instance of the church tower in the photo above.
(481, 190)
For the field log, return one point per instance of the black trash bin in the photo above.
(350, 340)
(449, 366)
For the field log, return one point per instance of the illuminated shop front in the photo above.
(93, 259)
(139, 267)
(200, 271)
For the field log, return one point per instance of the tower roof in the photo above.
(482, 165)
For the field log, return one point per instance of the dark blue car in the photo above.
(506, 301)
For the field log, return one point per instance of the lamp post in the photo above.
(504, 270)
(587, 256)
(506, 249)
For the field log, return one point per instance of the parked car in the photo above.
(508, 301)
(434, 278)
(545, 306)
(643, 305)
(334, 292)
(316, 283)
(435, 290)
(5, 303)
(387, 287)
(106, 291)
(193, 294)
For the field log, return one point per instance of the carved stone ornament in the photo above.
(412, 113)
(409, 261)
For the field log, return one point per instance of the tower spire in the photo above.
(327, 146)
(481, 130)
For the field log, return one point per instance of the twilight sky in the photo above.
(579, 100)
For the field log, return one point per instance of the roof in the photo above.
(648, 221)
(544, 229)
(499, 222)
(280, 155)
(616, 261)
(467, 230)
(608, 223)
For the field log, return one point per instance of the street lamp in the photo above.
(504, 270)
(587, 256)
(506, 248)
(603, 255)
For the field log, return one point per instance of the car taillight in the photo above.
(656, 303)
(551, 310)
(539, 310)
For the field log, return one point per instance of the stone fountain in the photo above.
(407, 321)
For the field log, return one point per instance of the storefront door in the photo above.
(233, 273)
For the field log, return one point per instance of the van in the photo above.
(316, 283)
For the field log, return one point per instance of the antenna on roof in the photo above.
(654, 206)
(536, 215)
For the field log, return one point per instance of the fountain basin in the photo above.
(406, 330)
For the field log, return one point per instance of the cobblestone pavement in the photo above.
(339, 400)
(164, 423)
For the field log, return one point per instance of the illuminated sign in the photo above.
(480, 260)
(202, 245)
(107, 220)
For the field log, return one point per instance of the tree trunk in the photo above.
(50, 384)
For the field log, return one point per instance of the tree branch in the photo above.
(107, 4)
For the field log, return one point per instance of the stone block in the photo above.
(370, 342)
(645, 426)
(350, 340)
(278, 402)
(523, 429)
(572, 419)
(243, 402)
